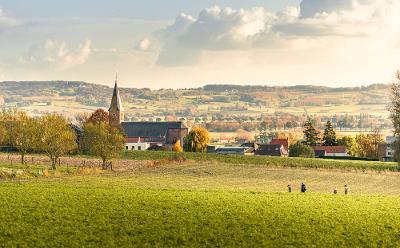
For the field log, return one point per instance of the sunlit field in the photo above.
(199, 203)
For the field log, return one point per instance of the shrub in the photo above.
(301, 150)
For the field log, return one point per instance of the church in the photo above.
(145, 135)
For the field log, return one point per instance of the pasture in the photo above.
(200, 203)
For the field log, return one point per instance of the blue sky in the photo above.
(135, 9)
(182, 43)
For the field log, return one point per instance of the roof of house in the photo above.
(150, 129)
(331, 149)
(271, 150)
(284, 142)
(234, 149)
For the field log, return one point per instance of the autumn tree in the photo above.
(56, 137)
(376, 139)
(348, 142)
(367, 145)
(329, 138)
(8, 120)
(177, 147)
(26, 134)
(100, 115)
(18, 131)
(103, 141)
(311, 135)
(197, 139)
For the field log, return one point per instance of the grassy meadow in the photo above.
(266, 161)
(199, 203)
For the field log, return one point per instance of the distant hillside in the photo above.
(219, 101)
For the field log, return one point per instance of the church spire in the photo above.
(116, 110)
(116, 102)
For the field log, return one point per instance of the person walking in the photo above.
(346, 189)
(303, 188)
(289, 188)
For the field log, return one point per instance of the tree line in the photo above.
(362, 145)
(55, 137)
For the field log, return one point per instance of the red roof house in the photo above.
(283, 142)
(330, 151)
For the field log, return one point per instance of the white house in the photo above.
(135, 144)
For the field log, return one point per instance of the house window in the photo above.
(133, 147)
(390, 153)
(127, 147)
(139, 148)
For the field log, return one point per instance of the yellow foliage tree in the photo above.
(56, 137)
(197, 139)
(103, 141)
(177, 147)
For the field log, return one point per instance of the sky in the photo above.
(189, 43)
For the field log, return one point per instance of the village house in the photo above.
(385, 151)
(143, 135)
(330, 151)
(284, 142)
(277, 150)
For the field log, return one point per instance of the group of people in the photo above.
(303, 189)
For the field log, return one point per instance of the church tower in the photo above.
(116, 111)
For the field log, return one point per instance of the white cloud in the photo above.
(56, 53)
(6, 20)
(219, 29)
(145, 44)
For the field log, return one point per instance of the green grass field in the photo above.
(200, 203)
(266, 161)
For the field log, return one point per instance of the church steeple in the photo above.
(116, 110)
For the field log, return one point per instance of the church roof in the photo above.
(116, 103)
(150, 129)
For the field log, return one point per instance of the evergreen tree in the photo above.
(311, 135)
(329, 135)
